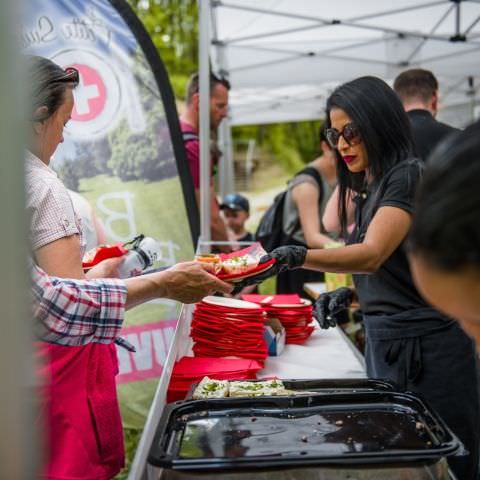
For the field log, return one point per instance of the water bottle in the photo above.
(144, 252)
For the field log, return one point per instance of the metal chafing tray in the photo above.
(375, 434)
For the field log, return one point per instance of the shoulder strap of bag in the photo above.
(313, 172)
(189, 137)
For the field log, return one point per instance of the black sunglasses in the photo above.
(349, 132)
(71, 75)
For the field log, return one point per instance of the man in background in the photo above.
(418, 91)
(189, 124)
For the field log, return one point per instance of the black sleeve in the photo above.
(400, 186)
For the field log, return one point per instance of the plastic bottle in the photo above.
(140, 257)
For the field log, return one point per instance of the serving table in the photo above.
(326, 354)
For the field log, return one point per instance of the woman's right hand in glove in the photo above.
(287, 257)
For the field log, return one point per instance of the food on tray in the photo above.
(239, 264)
(257, 389)
(209, 388)
(212, 259)
(208, 258)
(231, 265)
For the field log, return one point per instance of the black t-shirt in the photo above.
(427, 132)
(390, 289)
(248, 237)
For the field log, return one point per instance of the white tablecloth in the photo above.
(326, 354)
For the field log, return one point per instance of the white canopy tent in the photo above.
(284, 57)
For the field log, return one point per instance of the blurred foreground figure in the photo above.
(445, 238)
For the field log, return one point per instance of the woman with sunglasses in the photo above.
(407, 341)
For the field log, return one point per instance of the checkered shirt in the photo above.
(49, 205)
(77, 312)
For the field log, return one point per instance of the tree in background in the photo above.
(292, 144)
(147, 156)
(68, 173)
(173, 28)
(91, 159)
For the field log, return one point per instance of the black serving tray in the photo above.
(376, 427)
(326, 386)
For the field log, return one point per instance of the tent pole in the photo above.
(433, 30)
(326, 22)
(204, 118)
(291, 14)
(471, 26)
(230, 171)
(226, 171)
(449, 55)
(226, 177)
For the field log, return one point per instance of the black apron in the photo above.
(426, 353)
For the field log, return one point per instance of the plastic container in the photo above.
(435, 471)
(328, 386)
(349, 431)
(140, 257)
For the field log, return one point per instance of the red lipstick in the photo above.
(349, 158)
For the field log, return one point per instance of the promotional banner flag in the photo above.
(122, 154)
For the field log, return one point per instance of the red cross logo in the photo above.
(98, 97)
(90, 95)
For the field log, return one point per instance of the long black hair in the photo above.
(384, 128)
(446, 223)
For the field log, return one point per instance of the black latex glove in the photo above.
(288, 257)
(330, 305)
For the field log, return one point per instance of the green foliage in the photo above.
(173, 28)
(69, 175)
(147, 156)
(132, 437)
(292, 144)
(92, 158)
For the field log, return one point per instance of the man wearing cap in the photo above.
(236, 210)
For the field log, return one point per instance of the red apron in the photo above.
(85, 436)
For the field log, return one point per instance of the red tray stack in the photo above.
(293, 312)
(190, 370)
(224, 327)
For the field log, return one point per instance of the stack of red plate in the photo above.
(190, 370)
(293, 312)
(224, 327)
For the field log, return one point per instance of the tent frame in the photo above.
(209, 40)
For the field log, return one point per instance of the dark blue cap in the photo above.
(235, 201)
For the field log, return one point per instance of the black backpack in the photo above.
(270, 229)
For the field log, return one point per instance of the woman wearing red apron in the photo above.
(81, 409)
